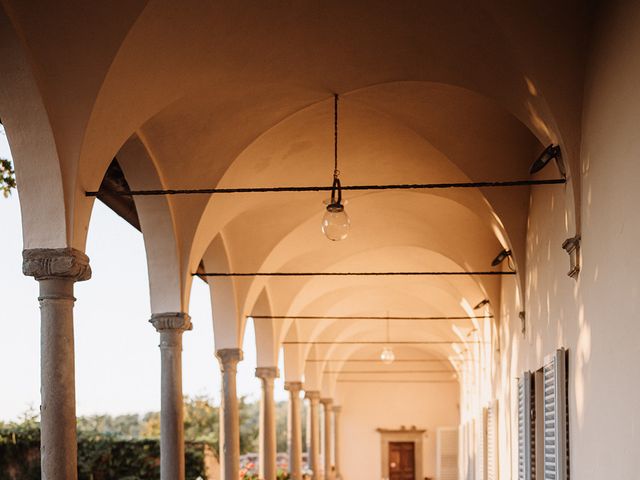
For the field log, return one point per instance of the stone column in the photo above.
(56, 270)
(295, 430)
(327, 403)
(314, 446)
(268, 447)
(171, 326)
(230, 419)
(336, 440)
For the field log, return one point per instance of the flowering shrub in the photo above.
(281, 475)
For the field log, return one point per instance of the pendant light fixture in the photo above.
(335, 222)
(387, 356)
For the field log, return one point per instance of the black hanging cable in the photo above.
(386, 372)
(324, 188)
(396, 381)
(336, 172)
(347, 274)
(377, 342)
(375, 360)
(363, 317)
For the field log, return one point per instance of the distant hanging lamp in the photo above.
(335, 222)
(387, 356)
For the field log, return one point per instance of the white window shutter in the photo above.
(447, 453)
(556, 464)
(481, 445)
(473, 449)
(492, 441)
(525, 432)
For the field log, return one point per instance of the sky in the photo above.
(117, 354)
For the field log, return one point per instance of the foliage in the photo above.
(7, 177)
(249, 425)
(100, 457)
(127, 446)
(201, 424)
(281, 475)
(123, 426)
(201, 420)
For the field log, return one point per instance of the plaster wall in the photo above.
(366, 407)
(595, 318)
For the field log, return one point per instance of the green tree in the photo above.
(249, 425)
(7, 177)
(282, 412)
(201, 420)
(150, 425)
(123, 426)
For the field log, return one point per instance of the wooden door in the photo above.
(402, 464)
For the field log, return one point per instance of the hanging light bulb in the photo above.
(335, 222)
(387, 356)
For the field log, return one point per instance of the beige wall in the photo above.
(596, 318)
(366, 407)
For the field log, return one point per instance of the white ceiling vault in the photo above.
(210, 94)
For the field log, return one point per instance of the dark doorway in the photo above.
(402, 464)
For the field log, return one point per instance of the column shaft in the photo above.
(314, 446)
(294, 430)
(56, 270)
(171, 326)
(230, 418)
(336, 440)
(327, 403)
(57, 379)
(268, 447)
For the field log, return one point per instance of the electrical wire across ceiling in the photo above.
(338, 317)
(347, 274)
(376, 360)
(377, 342)
(324, 188)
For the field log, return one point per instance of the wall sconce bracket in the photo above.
(572, 247)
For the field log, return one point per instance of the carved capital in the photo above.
(337, 409)
(50, 263)
(327, 403)
(293, 387)
(312, 395)
(229, 357)
(171, 321)
(267, 372)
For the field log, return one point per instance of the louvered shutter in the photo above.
(492, 441)
(463, 458)
(447, 454)
(525, 432)
(481, 448)
(473, 449)
(555, 417)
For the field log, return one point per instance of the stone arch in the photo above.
(45, 216)
(267, 346)
(166, 280)
(228, 326)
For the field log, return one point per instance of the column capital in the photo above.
(312, 395)
(267, 372)
(327, 402)
(293, 387)
(337, 408)
(170, 321)
(51, 263)
(229, 357)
